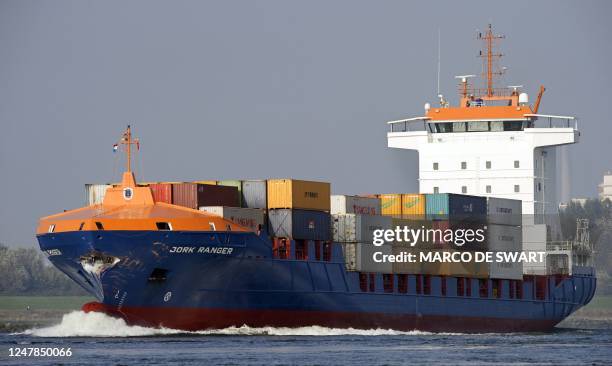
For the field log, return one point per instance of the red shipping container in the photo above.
(194, 195)
(162, 192)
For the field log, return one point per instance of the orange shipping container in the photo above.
(299, 194)
(413, 206)
(391, 204)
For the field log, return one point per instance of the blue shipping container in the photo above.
(299, 224)
(455, 207)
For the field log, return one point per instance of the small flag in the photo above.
(115, 147)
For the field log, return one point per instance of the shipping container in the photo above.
(195, 195)
(460, 235)
(342, 204)
(470, 268)
(413, 206)
(250, 218)
(209, 182)
(299, 224)
(233, 183)
(298, 194)
(162, 192)
(94, 193)
(455, 207)
(504, 238)
(419, 227)
(400, 251)
(504, 211)
(391, 204)
(254, 194)
(360, 257)
(358, 228)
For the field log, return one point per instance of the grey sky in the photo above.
(255, 89)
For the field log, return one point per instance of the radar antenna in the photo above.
(488, 56)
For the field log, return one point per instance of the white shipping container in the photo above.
(504, 211)
(352, 228)
(250, 218)
(95, 193)
(342, 204)
(360, 257)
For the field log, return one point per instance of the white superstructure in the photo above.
(495, 144)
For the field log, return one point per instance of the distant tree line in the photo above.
(599, 214)
(26, 271)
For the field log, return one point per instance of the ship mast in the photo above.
(488, 55)
(127, 140)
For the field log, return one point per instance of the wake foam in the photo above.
(95, 324)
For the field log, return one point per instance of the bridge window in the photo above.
(478, 126)
(517, 164)
(463, 165)
(463, 189)
(436, 189)
(488, 165)
(488, 189)
(459, 127)
(435, 166)
(517, 188)
(513, 125)
(444, 127)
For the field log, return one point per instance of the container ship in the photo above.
(287, 253)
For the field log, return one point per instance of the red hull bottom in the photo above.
(193, 319)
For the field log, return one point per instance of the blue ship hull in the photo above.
(201, 280)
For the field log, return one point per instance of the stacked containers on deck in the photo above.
(298, 209)
(233, 183)
(254, 194)
(391, 204)
(162, 192)
(195, 195)
(354, 222)
(343, 204)
(448, 211)
(250, 218)
(504, 234)
(406, 210)
(94, 193)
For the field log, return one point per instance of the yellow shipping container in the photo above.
(413, 206)
(391, 204)
(209, 182)
(299, 194)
